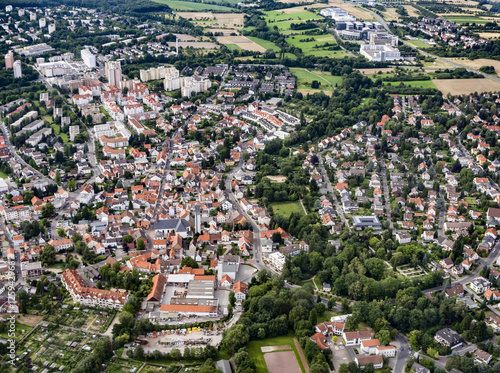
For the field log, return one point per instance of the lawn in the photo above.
(48, 118)
(278, 16)
(57, 131)
(258, 357)
(416, 83)
(189, 6)
(305, 77)
(3, 175)
(18, 334)
(264, 43)
(419, 43)
(464, 19)
(285, 209)
(318, 47)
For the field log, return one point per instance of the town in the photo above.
(259, 187)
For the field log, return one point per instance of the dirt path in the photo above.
(301, 354)
(305, 212)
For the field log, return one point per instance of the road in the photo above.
(401, 356)
(257, 245)
(387, 202)
(330, 190)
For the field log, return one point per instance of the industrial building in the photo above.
(380, 53)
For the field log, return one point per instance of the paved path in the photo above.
(301, 354)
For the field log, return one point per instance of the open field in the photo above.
(227, 20)
(256, 354)
(357, 12)
(476, 64)
(295, 1)
(465, 86)
(277, 179)
(185, 37)
(30, 320)
(437, 64)
(189, 6)
(375, 71)
(489, 35)
(416, 83)
(264, 43)
(391, 15)
(281, 362)
(291, 14)
(285, 209)
(241, 42)
(310, 91)
(419, 44)
(319, 42)
(225, 32)
(195, 44)
(465, 19)
(305, 78)
(412, 12)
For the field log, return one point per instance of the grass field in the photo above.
(305, 77)
(285, 209)
(264, 43)
(189, 6)
(279, 15)
(417, 83)
(319, 46)
(464, 19)
(57, 131)
(419, 44)
(254, 350)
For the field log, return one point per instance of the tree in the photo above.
(128, 238)
(48, 210)
(235, 337)
(384, 336)
(48, 255)
(138, 353)
(232, 298)
(58, 178)
(61, 233)
(140, 244)
(189, 262)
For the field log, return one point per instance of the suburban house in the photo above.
(448, 337)
(480, 285)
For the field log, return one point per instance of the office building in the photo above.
(9, 60)
(88, 58)
(18, 71)
(380, 53)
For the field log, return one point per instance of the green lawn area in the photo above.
(470, 200)
(3, 175)
(264, 43)
(258, 357)
(285, 209)
(465, 19)
(19, 329)
(189, 6)
(419, 44)
(233, 47)
(416, 83)
(318, 47)
(57, 131)
(279, 15)
(305, 77)
(48, 118)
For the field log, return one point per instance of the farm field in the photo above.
(391, 15)
(489, 35)
(319, 41)
(412, 12)
(291, 14)
(266, 44)
(374, 71)
(241, 42)
(227, 20)
(476, 64)
(466, 86)
(357, 12)
(194, 44)
(285, 209)
(189, 6)
(255, 351)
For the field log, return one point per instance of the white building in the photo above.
(88, 58)
(277, 260)
(380, 53)
(52, 28)
(158, 73)
(42, 22)
(18, 70)
(114, 73)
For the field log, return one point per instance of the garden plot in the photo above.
(410, 272)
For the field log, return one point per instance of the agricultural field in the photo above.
(390, 14)
(357, 12)
(285, 209)
(490, 35)
(374, 71)
(181, 6)
(319, 42)
(466, 86)
(213, 20)
(266, 44)
(412, 12)
(478, 63)
(258, 351)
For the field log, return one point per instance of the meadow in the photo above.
(285, 209)
(190, 6)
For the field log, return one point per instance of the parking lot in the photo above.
(167, 342)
